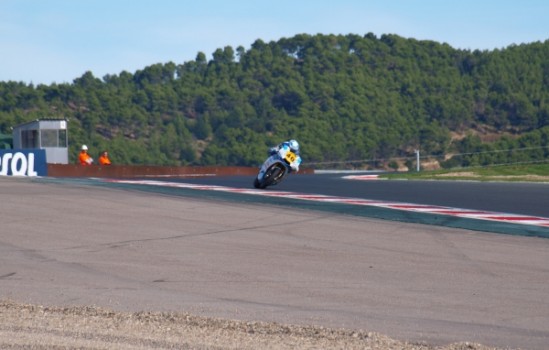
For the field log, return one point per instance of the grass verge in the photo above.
(516, 172)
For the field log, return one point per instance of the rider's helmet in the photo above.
(294, 146)
(84, 148)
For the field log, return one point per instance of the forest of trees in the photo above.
(351, 101)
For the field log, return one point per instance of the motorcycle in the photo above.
(275, 168)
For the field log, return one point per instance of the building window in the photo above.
(29, 138)
(62, 138)
(48, 138)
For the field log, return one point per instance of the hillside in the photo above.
(352, 101)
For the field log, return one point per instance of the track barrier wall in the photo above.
(143, 171)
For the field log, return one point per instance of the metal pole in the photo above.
(417, 159)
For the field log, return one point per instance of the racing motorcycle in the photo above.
(275, 168)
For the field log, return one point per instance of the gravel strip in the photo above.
(24, 326)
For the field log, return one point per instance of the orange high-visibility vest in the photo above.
(85, 158)
(104, 160)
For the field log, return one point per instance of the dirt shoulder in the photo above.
(24, 326)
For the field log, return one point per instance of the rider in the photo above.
(293, 145)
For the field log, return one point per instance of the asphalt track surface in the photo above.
(69, 242)
(525, 198)
(514, 198)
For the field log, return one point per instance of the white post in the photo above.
(417, 159)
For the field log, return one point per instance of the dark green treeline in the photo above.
(345, 98)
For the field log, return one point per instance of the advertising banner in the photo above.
(23, 162)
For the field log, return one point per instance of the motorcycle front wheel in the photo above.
(257, 184)
(272, 176)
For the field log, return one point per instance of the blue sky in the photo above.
(56, 41)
